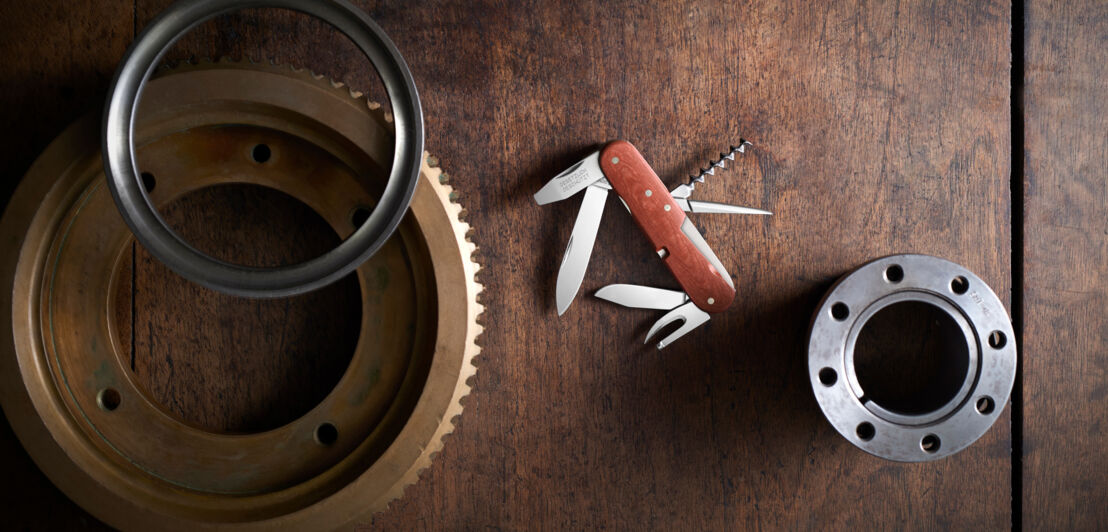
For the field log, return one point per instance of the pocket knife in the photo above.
(660, 214)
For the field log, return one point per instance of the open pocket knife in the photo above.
(660, 214)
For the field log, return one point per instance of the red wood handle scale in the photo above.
(661, 218)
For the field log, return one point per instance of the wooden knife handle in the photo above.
(660, 218)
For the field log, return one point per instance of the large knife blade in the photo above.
(579, 249)
(572, 180)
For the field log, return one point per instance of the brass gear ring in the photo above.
(94, 431)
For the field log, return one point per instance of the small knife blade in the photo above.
(579, 249)
(711, 207)
(636, 296)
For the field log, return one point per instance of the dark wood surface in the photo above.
(61, 56)
(878, 128)
(216, 345)
(1065, 267)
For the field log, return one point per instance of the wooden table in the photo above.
(974, 131)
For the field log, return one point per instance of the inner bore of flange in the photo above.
(911, 358)
(230, 364)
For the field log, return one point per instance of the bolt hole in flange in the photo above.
(985, 405)
(359, 216)
(148, 182)
(865, 431)
(326, 434)
(894, 273)
(997, 340)
(959, 285)
(929, 368)
(261, 153)
(930, 443)
(108, 399)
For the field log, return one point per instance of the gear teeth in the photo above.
(437, 179)
(267, 65)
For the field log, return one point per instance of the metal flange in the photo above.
(979, 357)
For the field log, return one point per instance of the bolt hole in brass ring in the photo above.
(133, 201)
(975, 362)
(90, 423)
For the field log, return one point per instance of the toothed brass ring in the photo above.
(85, 416)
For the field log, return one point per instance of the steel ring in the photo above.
(153, 233)
(948, 419)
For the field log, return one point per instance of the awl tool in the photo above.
(660, 214)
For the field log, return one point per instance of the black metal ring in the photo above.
(148, 227)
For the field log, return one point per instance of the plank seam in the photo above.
(1016, 185)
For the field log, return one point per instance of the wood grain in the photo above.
(1065, 247)
(58, 58)
(217, 346)
(878, 128)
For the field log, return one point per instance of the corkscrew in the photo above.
(683, 192)
(719, 163)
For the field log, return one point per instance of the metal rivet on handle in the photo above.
(615, 160)
(649, 193)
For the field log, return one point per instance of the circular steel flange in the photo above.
(162, 242)
(981, 393)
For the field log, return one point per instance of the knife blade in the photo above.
(637, 296)
(583, 174)
(576, 259)
(711, 207)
